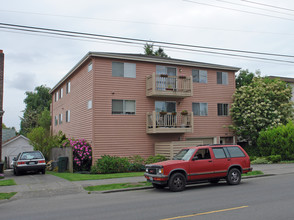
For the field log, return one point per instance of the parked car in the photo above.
(29, 161)
(202, 163)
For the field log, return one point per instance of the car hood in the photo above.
(168, 162)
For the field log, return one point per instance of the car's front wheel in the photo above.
(234, 177)
(177, 182)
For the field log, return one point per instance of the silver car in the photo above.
(29, 161)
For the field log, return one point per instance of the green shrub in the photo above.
(111, 164)
(136, 163)
(155, 159)
(275, 158)
(260, 160)
(277, 141)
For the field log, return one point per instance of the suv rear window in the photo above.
(219, 153)
(235, 152)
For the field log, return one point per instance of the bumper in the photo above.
(246, 170)
(31, 168)
(158, 179)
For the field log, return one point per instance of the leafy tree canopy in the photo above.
(245, 77)
(264, 103)
(149, 50)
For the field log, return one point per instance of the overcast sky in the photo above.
(33, 59)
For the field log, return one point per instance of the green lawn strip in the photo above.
(9, 182)
(116, 186)
(253, 173)
(80, 177)
(6, 195)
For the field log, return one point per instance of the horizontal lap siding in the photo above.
(81, 91)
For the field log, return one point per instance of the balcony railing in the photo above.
(158, 122)
(169, 86)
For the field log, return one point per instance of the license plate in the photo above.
(31, 163)
(151, 178)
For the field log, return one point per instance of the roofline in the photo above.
(13, 139)
(143, 58)
(286, 79)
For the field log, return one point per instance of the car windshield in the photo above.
(31, 156)
(184, 154)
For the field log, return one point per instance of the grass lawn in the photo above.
(9, 182)
(79, 177)
(7, 195)
(116, 186)
(253, 173)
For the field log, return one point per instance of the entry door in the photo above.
(167, 120)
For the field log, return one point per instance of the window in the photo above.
(60, 118)
(56, 96)
(61, 93)
(235, 152)
(202, 154)
(123, 107)
(222, 78)
(222, 109)
(68, 87)
(56, 120)
(199, 76)
(89, 104)
(219, 153)
(124, 69)
(67, 116)
(200, 109)
(90, 67)
(165, 106)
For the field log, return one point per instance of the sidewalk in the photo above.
(49, 185)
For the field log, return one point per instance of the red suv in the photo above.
(194, 164)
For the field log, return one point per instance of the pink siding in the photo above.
(80, 125)
(125, 135)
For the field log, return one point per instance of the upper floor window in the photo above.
(68, 87)
(199, 76)
(67, 116)
(89, 104)
(60, 118)
(222, 109)
(90, 67)
(166, 70)
(61, 93)
(124, 69)
(56, 96)
(123, 107)
(56, 120)
(200, 109)
(222, 78)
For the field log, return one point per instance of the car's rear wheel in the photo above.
(16, 172)
(158, 186)
(234, 177)
(43, 171)
(177, 182)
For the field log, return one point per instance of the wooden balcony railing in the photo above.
(169, 86)
(157, 122)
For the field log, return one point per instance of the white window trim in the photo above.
(90, 104)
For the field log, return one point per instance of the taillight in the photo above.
(42, 161)
(21, 163)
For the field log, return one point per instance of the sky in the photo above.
(33, 59)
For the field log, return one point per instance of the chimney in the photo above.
(1, 98)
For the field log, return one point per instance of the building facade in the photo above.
(125, 103)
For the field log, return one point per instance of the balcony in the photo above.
(169, 86)
(162, 123)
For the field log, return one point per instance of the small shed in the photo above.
(13, 146)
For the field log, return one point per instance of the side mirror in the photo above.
(14, 159)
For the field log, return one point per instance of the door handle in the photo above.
(210, 161)
(229, 159)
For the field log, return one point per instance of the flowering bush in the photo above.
(82, 154)
(1, 176)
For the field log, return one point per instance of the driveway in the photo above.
(39, 185)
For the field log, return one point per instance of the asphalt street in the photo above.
(268, 198)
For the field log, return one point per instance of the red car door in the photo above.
(201, 165)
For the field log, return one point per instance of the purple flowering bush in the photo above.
(82, 154)
(1, 176)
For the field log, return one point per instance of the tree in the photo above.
(244, 77)
(36, 102)
(3, 125)
(264, 103)
(149, 50)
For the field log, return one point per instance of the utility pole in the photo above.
(1, 99)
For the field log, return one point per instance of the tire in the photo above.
(43, 171)
(157, 186)
(177, 182)
(214, 181)
(234, 177)
(16, 172)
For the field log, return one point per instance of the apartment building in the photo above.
(124, 104)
